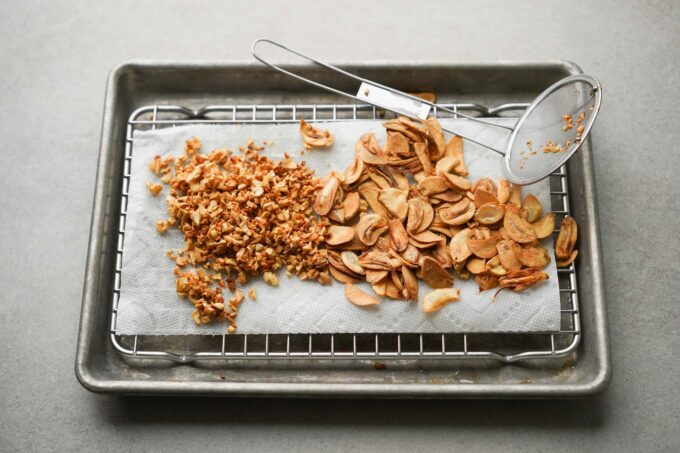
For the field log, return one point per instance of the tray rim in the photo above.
(94, 383)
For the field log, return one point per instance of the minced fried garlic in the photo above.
(241, 216)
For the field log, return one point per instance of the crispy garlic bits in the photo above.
(241, 216)
(406, 212)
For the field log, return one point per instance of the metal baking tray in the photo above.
(147, 94)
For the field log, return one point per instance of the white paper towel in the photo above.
(149, 305)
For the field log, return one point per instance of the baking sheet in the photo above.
(149, 305)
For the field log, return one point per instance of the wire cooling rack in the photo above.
(504, 347)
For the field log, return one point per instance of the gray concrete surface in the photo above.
(55, 57)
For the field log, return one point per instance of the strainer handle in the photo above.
(374, 93)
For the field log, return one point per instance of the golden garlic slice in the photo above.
(483, 248)
(398, 235)
(436, 299)
(483, 196)
(458, 213)
(486, 281)
(495, 267)
(458, 248)
(509, 254)
(342, 277)
(424, 157)
(325, 198)
(518, 229)
(476, 265)
(351, 205)
(434, 274)
(351, 261)
(313, 137)
(432, 185)
(370, 191)
(410, 283)
(533, 208)
(459, 183)
(566, 239)
(395, 202)
(503, 190)
(376, 275)
(454, 148)
(358, 297)
(568, 261)
(535, 255)
(370, 228)
(490, 213)
(544, 227)
(338, 234)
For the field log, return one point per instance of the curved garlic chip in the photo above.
(370, 191)
(351, 261)
(454, 148)
(340, 276)
(449, 196)
(435, 275)
(503, 190)
(410, 283)
(436, 136)
(441, 254)
(458, 248)
(446, 165)
(398, 235)
(432, 185)
(518, 229)
(338, 234)
(566, 239)
(376, 275)
(494, 266)
(410, 257)
(486, 281)
(379, 260)
(354, 171)
(483, 196)
(420, 215)
(325, 198)
(522, 279)
(370, 228)
(397, 144)
(488, 185)
(368, 150)
(358, 297)
(391, 290)
(483, 248)
(476, 265)
(436, 299)
(426, 237)
(490, 213)
(314, 137)
(568, 261)
(533, 208)
(350, 205)
(515, 195)
(424, 157)
(337, 215)
(509, 254)
(395, 202)
(534, 255)
(458, 213)
(460, 183)
(545, 226)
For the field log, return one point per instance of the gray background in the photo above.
(55, 58)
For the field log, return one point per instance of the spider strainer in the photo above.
(549, 132)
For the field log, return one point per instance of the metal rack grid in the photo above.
(342, 346)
